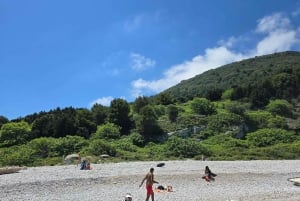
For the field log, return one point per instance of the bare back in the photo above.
(149, 179)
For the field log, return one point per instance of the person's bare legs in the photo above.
(152, 196)
(147, 198)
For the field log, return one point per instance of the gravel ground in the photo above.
(236, 180)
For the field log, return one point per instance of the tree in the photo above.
(214, 94)
(139, 103)
(3, 120)
(100, 113)
(86, 125)
(164, 99)
(147, 123)
(119, 114)
(14, 133)
(172, 111)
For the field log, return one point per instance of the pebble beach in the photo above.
(236, 181)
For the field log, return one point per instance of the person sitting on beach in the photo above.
(208, 175)
(149, 183)
(88, 166)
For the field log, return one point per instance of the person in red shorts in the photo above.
(149, 183)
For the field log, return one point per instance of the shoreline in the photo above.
(236, 180)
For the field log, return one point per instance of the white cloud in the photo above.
(272, 23)
(140, 62)
(278, 36)
(105, 101)
(276, 42)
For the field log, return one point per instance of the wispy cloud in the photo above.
(296, 12)
(133, 23)
(103, 101)
(140, 62)
(276, 33)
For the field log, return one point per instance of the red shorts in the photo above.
(149, 189)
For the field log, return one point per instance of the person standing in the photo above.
(149, 178)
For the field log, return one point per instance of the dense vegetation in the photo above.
(245, 110)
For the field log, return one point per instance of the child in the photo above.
(128, 197)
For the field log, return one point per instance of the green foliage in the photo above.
(3, 120)
(147, 124)
(225, 141)
(164, 99)
(119, 114)
(98, 147)
(186, 148)
(17, 156)
(139, 103)
(223, 122)
(44, 147)
(263, 119)
(203, 106)
(270, 136)
(14, 133)
(107, 131)
(237, 107)
(227, 94)
(85, 123)
(137, 139)
(280, 107)
(214, 94)
(159, 110)
(70, 144)
(125, 144)
(172, 112)
(100, 113)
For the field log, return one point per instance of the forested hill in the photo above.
(246, 73)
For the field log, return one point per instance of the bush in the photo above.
(280, 107)
(203, 106)
(223, 122)
(70, 144)
(107, 131)
(186, 148)
(264, 119)
(98, 147)
(21, 155)
(270, 136)
(137, 139)
(45, 147)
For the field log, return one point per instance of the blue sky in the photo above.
(77, 53)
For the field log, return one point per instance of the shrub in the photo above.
(186, 148)
(270, 136)
(98, 147)
(107, 131)
(280, 107)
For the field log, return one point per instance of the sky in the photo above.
(75, 53)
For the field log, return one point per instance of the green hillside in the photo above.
(246, 110)
(248, 72)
